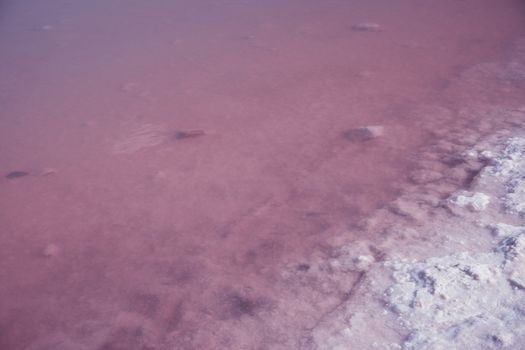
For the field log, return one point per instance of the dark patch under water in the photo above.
(16, 174)
(188, 134)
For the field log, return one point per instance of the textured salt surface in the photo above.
(457, 282)
(470, 300)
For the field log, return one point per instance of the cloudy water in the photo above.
(163, 162)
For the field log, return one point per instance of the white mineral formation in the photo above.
(476, 201)
(449, 281)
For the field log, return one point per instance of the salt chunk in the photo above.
(486, 155)
(364, 133)
(472, 154)
(364, 261)
(476, 201)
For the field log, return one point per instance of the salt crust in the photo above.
(464, 288)
(470, 300)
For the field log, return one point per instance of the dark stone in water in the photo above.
(16, 174)
(243, 306)
(303, 267)
(180, 135)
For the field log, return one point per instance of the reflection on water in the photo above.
(166, 162)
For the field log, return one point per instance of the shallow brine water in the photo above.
(165, 161)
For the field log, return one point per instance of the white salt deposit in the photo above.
(467, 301)
(457, 281)
(476, 201)
(470, 300)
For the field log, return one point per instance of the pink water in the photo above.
(166, 243)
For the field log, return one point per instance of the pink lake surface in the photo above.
(123, 236)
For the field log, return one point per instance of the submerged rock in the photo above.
(364, 133)
(366, 27)
(186, 134)
(16, 174)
